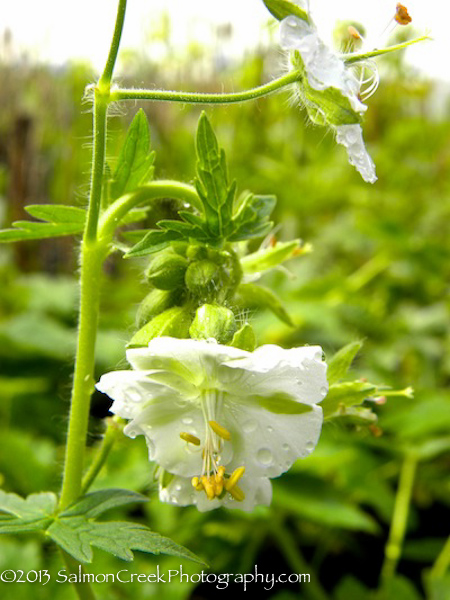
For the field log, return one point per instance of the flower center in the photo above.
(214, 480)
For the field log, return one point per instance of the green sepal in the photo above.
(281, 404)
(212, 321)
(340, 363)
(167, 270)
(135, 162)
(244, 338)
(203, 278)
(173, 322)
(342, 396)
(281, 9)
(251, 295)
(153, 241)
(268, 258)
(156, 302)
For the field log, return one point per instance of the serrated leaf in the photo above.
(252, 218)
(25, 515)
(153, 241)
(76, 536)
(57, 213)
(343, 396)
(135, 162)
(281, 9)
(252, 295)
(96, 503)
(340, 363)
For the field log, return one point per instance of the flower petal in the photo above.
(298, 372)
(257, 490)
(351, 137)
(267, 444)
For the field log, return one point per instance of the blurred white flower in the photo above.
(327, 73)
(220, 421)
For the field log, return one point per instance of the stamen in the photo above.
(402, 16)
(209, 487)
(197, 484)
(220, 431)
(354, 32)
(237, 493)
(192, 439)
(234, 478)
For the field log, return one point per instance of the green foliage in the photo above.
(250, 295)
(281, 9)
(135, 162)
(59, 220)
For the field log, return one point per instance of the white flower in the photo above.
(214, 416)
(325, 71)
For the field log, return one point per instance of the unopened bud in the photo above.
(167, 270)
(215, 322)
(203, 277)
(173, 322)
(155, 303)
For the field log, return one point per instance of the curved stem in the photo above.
(156, 189)
(400, 516)
(357, 57)
(103, 452)
(105, 79)
(197, 98)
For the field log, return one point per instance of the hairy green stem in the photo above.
(105, 79)
(100, 458)
(358, 57)
(92, 256)
(198, 98)
(400, 517)
(142, 195)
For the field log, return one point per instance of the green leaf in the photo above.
(252, 295)
(135, 163)
(281, 9)
(268, 258)
(342, 396)
(340, 363)
(94, 504)
(76, 535)
(281, 404)
(154, 241)
(252, 218)
(61, 220)
(26, 515)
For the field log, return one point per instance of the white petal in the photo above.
(292, 31)
(130, 390)
(194, 360)
(267, 444)
(299, 372)
(257, 490)
(350, 136)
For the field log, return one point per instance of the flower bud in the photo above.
(213, 321)
(173, 322)
(167, 270)
(155, 303)
(203, 277)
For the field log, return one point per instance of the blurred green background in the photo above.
(379, 273)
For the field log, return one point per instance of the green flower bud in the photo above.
(203, 277)
(155, 303)
(173, 322)
(215, 322)
(244, 338)
(167, 270)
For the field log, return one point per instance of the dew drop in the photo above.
(265, 456)
(249, 426)
(178, 487)
(286, 447)
(310, 446)
(324, 391)
(187, 420)
(269, 428)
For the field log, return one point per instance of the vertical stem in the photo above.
(103, 452)
(91, 267)
(400, 517)
(82, 588)
(442, 563)
(106, 77)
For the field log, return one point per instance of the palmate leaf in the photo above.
(58, 220)
(75, 529)
(135, 163)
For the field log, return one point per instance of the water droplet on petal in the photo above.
(269, 428)
(265, 456)
(286, 447)
(249, 426)
(324, 391)
(187, 420)
(310, 446)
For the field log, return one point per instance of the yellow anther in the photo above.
(209, 487)
(354, 32)
(237, 493)
(220, 474)
(218, 487)
(188, 437)
(401, 15)
(234, 478)
(197, 484)
(220, 431)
